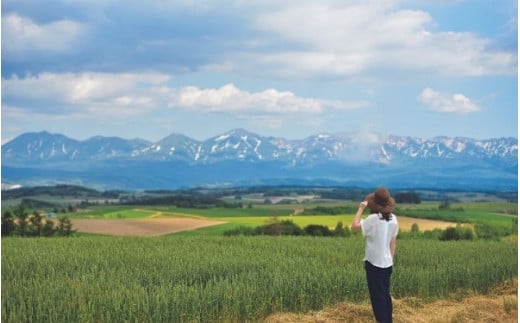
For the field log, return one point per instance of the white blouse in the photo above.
(378, 234)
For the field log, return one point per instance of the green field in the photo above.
(146, 210)
(126, 214)
(231, 279)
(301, 220)
(203, 276)
(500, 214)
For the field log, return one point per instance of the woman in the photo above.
(380, 231)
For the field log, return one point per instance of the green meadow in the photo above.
(204, 276)
(176, 278)
(501, 214)
(300, 220)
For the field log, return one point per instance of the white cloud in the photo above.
(79, 87)
(22, 35)
(442, 102)
(304, 39)
(84, 93)
(131, 93)
(230, 98)
(353, 37)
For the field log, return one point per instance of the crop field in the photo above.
(331, 221)
(141, 226)
(214, 221)
(232, 279)
(153, 221)
(496, 212)
(162, 263)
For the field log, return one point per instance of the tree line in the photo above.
(275, 227)
(180, 200)
(58, 190)
(19, 222)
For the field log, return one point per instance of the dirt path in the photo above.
(140, 227)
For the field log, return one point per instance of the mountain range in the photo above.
(240, 157)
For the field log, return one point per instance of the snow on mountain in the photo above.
(46, 147)
(239, 156)
(239, 144)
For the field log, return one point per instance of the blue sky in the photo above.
(280, 68)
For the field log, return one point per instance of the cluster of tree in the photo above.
(336, 193)
(459, 232)
(20, 223)
(57, 190)
(30, 203)
(478, 230)
(69, 209)
(407, 197)
(275, 227)
(446, 205)
(199, 201)
(353, 194)
(289, 228)
(280, 190)
(511, 197)
(323, 210)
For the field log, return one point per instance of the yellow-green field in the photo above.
(148, 216)
(226, 279)
(426, 215)
(405, 223)
(203, 276)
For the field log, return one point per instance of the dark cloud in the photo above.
(130, 38)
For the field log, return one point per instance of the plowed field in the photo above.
(140, 227)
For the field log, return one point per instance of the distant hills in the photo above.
(240, 157)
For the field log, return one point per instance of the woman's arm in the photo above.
(356, 223)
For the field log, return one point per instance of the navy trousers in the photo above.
(378, 280)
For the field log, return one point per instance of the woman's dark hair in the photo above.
(386, 216)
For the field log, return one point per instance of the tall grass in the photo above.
(210, 279)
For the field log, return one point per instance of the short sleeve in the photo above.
(367, 226)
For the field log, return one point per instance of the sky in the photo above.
(291, 69)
